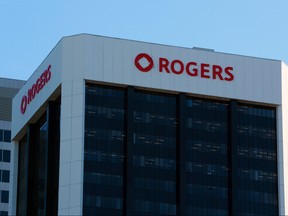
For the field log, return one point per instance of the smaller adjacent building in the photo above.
(8, 89)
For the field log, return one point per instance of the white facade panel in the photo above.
(282, 140)
(112, 60)
(19, 120)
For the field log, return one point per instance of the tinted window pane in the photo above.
(5, 196)
(1, 135)
(5, 176)
(3, 213)
(6, 156)
(7, 136)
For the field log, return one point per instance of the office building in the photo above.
(107, 126)
(8, 89)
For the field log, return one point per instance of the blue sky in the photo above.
(31, 28)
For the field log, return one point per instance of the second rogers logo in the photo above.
(191, 68)
(35, 89)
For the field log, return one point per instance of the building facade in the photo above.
(107, 126)
(8, 89)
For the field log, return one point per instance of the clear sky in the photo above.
(31, 28)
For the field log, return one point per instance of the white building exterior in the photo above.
(81, 58)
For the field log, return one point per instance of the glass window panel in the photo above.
(1, 135)
(3, 213)
(4, 196)
(7, 136)
(6, 156)
(5, 176)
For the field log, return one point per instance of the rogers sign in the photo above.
(178, 67)
(35, 89)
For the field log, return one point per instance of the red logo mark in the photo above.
(35, 89)
(148, 59)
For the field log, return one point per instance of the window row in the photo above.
(257, 197)
(207, 169)
(103, 202)
(153, 118)
(257, 175)
(257, 153)
(254, 111)
(104, 156)
(196, 211)
(154, 162)
(208, 191)
(157, 140)
(154, 207)
(251, 130)
(154, 184)
(103, 179)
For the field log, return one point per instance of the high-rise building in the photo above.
(8, 89)
(107, 126)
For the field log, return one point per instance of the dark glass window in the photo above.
(1, 136)
(5, 176)
(1, 155)
(3, 213)
(6, 156)
(4, 196)
(7, 136)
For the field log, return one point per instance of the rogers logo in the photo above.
(141, 57)
(191, 68)
(35, 89)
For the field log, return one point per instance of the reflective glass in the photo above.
(154, 157)
(4, 196)
(206, 157)
(257, 160)
(103, 154)
(6, 156)
(7, 136)
(5, 176)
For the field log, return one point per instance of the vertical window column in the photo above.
(206, 154)
(103, 150)
(154, 154)
(256, 155)
(181, 156)
(53, 117)
(232, 158)
(128, 152)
